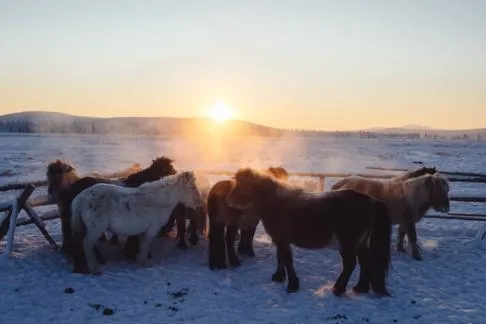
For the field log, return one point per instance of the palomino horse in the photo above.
(140, 211)
(223, 217)
(310, 220)
(64, 185)
(407, 201)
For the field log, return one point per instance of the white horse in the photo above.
(129, 211)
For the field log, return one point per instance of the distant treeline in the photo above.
(40, 123)
(49, 122)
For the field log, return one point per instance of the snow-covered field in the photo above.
(37, 285)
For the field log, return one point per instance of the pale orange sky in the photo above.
(308, 65)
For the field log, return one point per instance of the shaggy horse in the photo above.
(128, 211)
(407, 201)
(222, 216)
(64, 185)
(310, 220)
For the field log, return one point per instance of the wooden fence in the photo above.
(11, 209)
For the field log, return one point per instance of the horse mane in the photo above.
(268, 182)
(428, 180)
(161, 162)
(279, 172)
(415, 173)
(168, 180)
(59, 166)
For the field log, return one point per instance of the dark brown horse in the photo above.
(223, 217)
(310, 220)
(64, 185)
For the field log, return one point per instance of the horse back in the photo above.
(312, 221)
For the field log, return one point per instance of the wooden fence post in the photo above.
(322, 182)
(11, 221)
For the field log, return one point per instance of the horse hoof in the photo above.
(417, 256)
(218, 267)
(361, 289)
(338, 291)
(382, 293)
(193, 240)
(114, 240)
(278, 277)
(235, 263)
(96, 273)
(293, 287)
(401, 249)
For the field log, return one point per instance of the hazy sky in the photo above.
(298, 64)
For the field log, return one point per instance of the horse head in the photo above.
(193, 197)
(162, 166)
(279, 172)
(243, 193)
(60, 175)
(438, 188)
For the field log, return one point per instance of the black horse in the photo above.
(289, 215)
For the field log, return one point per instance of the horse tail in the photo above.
(78, 228)
(380, 248)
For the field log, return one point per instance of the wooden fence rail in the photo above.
(23, 201)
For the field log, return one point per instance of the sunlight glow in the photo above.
(220, 112)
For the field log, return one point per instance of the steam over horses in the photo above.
(222, 216)
(407, 201)
(310, 220)
(64, 185)
(129, 211)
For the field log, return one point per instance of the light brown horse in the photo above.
(407, 201)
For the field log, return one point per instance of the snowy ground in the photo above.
(37, 285)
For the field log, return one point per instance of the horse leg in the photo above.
(143, 252)
(89, 243)
(181, 232)
(132, 247)
(364, 260)
(66, 234)
(193, 225)
(279, 275)
(412, 237)
(400, 238)
(245, 246)
(114, 239)
(167, 227)
(230, 245)
(217, 255)
(348, 257)
(288, 261)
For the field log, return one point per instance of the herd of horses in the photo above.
(358, 213)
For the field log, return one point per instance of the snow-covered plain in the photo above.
(37, 285)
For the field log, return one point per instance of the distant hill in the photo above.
(53, 122)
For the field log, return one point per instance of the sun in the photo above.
(220, 112)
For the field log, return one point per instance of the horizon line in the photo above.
(419, 127)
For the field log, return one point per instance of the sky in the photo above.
(330, 65)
